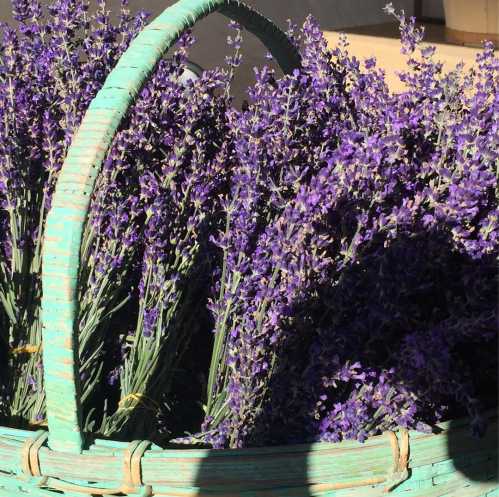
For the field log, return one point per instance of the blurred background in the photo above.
(371, 31)
(212, 32)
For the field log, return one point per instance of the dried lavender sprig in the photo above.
(379, 157)
(47, 87)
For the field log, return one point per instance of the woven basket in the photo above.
(63, 461)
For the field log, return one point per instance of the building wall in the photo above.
(433, 9)
(212, 32)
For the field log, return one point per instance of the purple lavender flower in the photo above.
(334, 174)
(349, 231)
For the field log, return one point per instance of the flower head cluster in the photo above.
(350, 234)
(355, 220)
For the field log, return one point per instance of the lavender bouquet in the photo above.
(356, 221)
(342, 238)
(150, 217)
(51, 68)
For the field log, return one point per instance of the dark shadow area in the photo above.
(417, 300)
(184, 413)
(417, 306)
(475, 456)
(261, 472)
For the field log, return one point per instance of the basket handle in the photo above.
(65, 221)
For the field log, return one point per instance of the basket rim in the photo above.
(437, 461)
(441, 428)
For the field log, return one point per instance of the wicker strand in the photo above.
(132, 468)
(29, 459)
(400, 470)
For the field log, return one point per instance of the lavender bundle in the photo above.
(350, 233)
(165, 172)
(150, 215)
(51, 68)
(335, 174)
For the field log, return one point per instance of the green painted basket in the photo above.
(63, 462)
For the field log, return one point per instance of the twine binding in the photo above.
(395, 476)
(40, 422)
(29, 348)
(132, 470)
(139, 399)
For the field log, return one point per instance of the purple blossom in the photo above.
(350, 233)
(336, 176)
